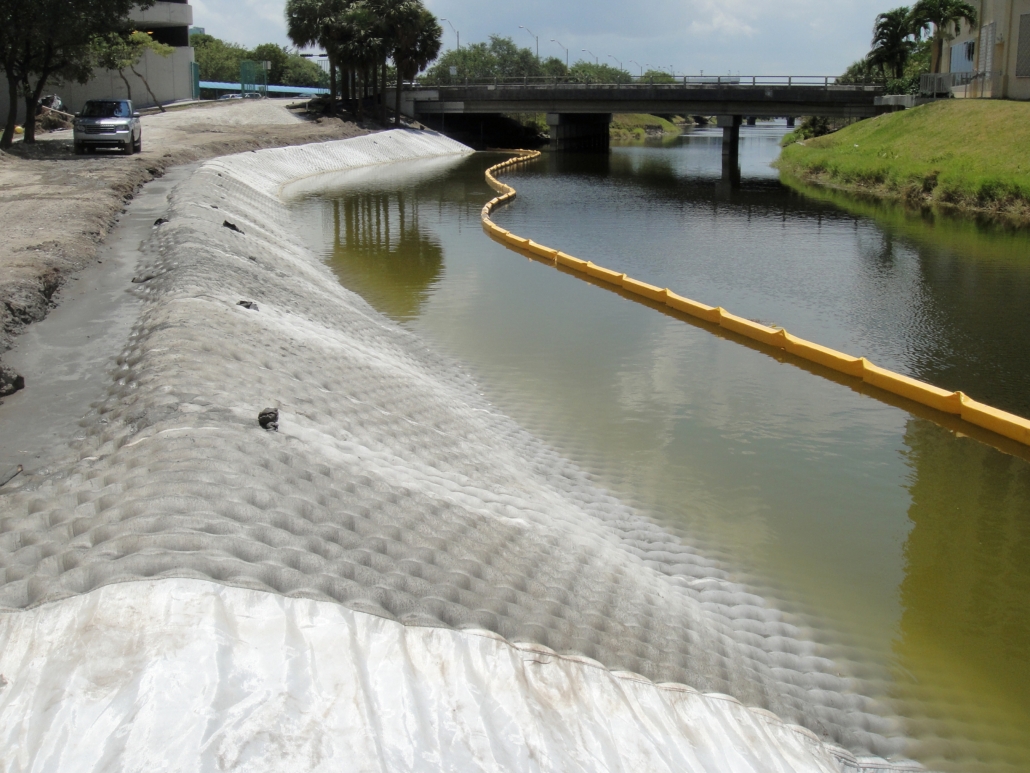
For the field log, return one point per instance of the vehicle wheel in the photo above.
(138, 145)
(130, 146)
(79, 150)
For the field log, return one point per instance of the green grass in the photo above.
(635, 126)
(969, 154)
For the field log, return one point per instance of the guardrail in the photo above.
(958, 404)
(936, 84)
(634, 81)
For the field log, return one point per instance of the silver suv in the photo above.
(107, 123)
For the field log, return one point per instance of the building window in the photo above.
(1023, 52)
(962, 56)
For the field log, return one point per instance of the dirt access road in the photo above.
(56, 208)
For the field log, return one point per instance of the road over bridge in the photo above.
(579, 113)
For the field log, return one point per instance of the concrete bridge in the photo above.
(579, 114)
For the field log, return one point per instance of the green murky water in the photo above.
(903, 543)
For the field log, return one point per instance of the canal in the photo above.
(900, 541)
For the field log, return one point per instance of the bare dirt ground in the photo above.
(56, 207)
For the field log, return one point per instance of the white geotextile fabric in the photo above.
(189, 675)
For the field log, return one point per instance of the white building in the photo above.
(171, 78)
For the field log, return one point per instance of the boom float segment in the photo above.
(1006, 424)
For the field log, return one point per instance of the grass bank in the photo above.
(630, 127)
(964, 155)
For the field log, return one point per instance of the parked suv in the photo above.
(110, 123)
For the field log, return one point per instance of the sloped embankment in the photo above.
(962, 155)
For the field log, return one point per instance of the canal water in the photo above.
(888, 533)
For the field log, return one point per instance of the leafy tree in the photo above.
(278, 58)
(892, 42)
(941, 20)
(302, 72)
(123, 52)
(218, 60)
(589, 72)
(861, 72)
(553, 67)
(43, 40)
(500, 58)
(658, 76)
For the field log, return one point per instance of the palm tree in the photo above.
(943, 20)
(392, 16)
(310, 23)
(356, 36)
(417, 42)
(892, 41)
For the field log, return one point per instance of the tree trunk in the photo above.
(374, 71)
(150, 91)
(938, 53)
(382, 95)
(128, 88)
(359, 77)
(400, 81)
(12, 113)
(332, 85)
(31, 103)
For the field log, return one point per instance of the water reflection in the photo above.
(378, 240)
(903, 544)
(965, 631)
(938, 300)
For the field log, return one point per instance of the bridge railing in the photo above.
(634, 81)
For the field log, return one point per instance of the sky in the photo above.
(718, 37)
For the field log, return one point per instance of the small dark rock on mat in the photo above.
(269, 419)
(231, 226)
(10, 382)
(248, 305)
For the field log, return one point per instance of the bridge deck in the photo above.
(828, 100)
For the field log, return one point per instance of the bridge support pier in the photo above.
(730, 125)
(790, 122)
(579, 131)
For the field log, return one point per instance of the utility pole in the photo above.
(638, 64)
(457, 34)
(537, 38)
(566, 54)
(596, 60)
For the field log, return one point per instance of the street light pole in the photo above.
(596, 60)
(537, 38)
(566, 54)
(457, 34)
(616, 61)
(638, 64)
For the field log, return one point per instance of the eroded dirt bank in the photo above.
(56, 207)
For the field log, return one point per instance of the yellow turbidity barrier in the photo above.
(956, 403)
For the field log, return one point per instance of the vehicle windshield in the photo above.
(106, 110)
